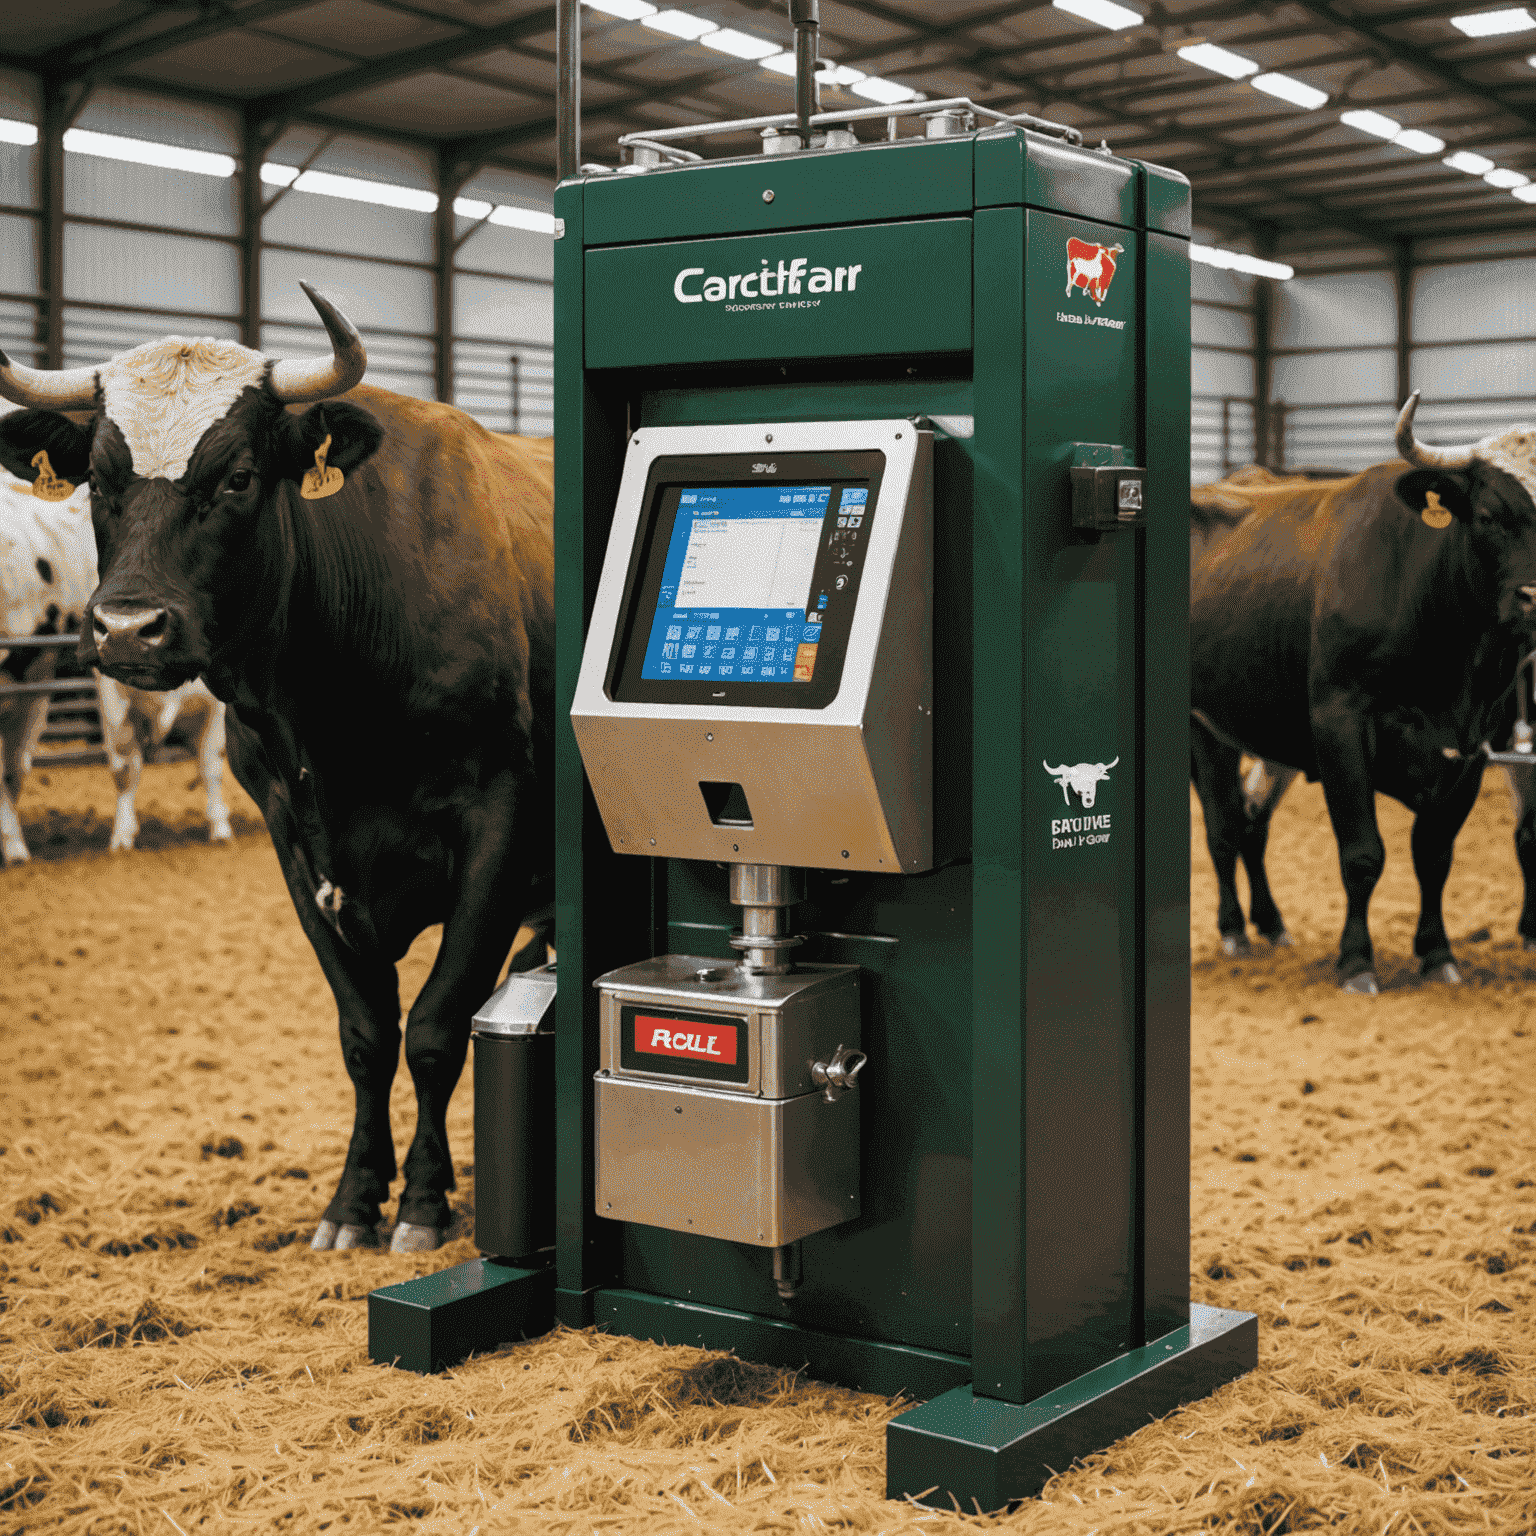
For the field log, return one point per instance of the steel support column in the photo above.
(56, 118)
(1402, 271)
(1263, 360)
(255, 140)
(444, 247)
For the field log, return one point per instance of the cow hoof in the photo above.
(1281, 940)
(1236, 945)
(330, 1236)
(1446, 973)
(1363, 985)
(409, 1238)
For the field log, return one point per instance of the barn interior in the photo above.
(1363, 185)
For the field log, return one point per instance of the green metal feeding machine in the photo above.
(871, 1042)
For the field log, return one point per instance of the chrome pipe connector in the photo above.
(765, 893)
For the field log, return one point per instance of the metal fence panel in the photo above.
(508, 389)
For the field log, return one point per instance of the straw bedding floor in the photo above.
(172, 1357)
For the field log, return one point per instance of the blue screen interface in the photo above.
(736, 587)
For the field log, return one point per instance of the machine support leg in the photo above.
(433, 1322)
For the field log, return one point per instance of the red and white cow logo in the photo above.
(1091, 268)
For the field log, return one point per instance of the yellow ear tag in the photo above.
(48, 486)
(324, 479)
(1434, 514)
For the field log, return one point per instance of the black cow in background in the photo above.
(1365, 632)
(384, 639)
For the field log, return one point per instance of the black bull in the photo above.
(1336, 630)
(386, 654)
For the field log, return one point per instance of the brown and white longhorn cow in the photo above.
(386, 651)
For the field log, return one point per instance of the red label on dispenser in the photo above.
(688, 1038)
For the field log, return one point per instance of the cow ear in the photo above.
(354, 433)
(23, 434)
(1437, 490)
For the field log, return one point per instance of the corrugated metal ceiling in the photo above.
(473, 79)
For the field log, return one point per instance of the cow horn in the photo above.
(298, 381)
(1422, 454)
(64, 389)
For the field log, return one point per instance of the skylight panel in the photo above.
(679, 24)
(1494, 23)
(1372, 122)
(625, 10)
(1104, 13)
(170, 157)
(1505, 180)
(1220, 61)
(1472, 164)
(12, 132)
(1527, 193)
(1296, 92)
(1419, 142)
(740, 45)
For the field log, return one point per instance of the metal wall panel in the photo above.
(1221, 373)
(503, 309)
(508, 389)
(499, 248)
(142, 115)
(1344, 309)
(1346, 437)
(1217, 326)
(20, 95)
(1472, 300)
(405, 364)
(1476, 370)
(1217, 283)
(1328, 377)
(20, 175)
(336, 224)
(344, 155)
(20, 336)
(93, 335)
(18, 254)
(175, 272)
(1220, 437)
(148, 194)
(371, 293)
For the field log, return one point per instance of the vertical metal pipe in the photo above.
(253, 147)
(448, 184)
(1403, 274)
(806, 19)
(568, 87)
(56, 118)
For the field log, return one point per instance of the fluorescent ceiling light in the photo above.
(1465, 160)
(886, 92)
(471, 207)
(382, 193)
(1494, 23)
(679, 24)
(1208, 56)
(1287, 89)
(780, 63)
(1372, 122)
(839, 74)
(1527, 193)
(170, 157)
(278, 175)
(525, 218)
(740, 45)
(1419, 142)
(625, 10)
(12, 132)
(1236, 261)
(1104, 12)
(1506, 180)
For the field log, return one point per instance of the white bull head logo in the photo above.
(1083, 777)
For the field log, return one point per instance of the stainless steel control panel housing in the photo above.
(847, 786)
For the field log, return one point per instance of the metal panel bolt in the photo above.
(768, 194)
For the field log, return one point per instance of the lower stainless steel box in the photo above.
(726, 1102)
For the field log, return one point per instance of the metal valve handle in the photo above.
(837, 1076)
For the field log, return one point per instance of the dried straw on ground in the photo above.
(172, 1357)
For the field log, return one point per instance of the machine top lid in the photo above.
(522, 1005)
(703, 980)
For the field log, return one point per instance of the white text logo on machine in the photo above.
(1082, 779)
(768, 282)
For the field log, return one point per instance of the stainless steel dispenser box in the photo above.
(726, 1101)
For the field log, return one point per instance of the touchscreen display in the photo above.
(741, 592)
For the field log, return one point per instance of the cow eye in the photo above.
(240, 480)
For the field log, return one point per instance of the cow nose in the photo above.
(128, 629)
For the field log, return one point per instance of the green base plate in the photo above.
(983, 1453)
(436, 1321)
